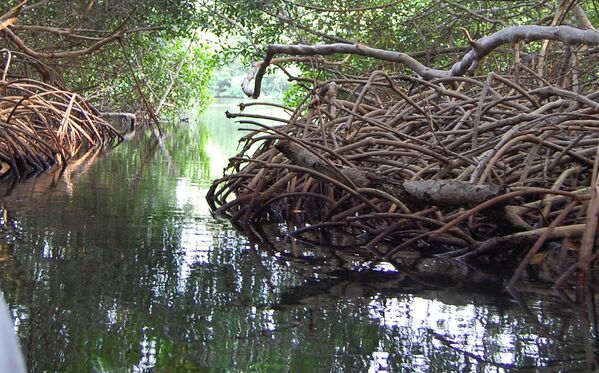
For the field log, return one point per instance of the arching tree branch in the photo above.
(19, 43)
(482, 47)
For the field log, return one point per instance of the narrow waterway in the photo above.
(117, 265)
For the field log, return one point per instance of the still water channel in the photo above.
(117, 265)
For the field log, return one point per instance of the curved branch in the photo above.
(468, 63)
(345, 10)
(74, 33)
(582, 18)
(70, 54)
(13, 12)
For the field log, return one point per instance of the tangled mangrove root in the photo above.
(471, 168)
(41, 125)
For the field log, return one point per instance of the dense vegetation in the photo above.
(113, 52)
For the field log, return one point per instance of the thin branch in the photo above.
(475, 14)
(174, 78)
(73, 33)
(345, 10)
(300, 26)
(241, 28)
(13, 12)
(582, 18)
(70, 54)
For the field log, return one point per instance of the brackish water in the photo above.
(117, 265)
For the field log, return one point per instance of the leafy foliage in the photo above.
(407, 26)
(156, 64)
(156, 39)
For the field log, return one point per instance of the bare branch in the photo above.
(346, 10)
(13, 12)
(73, 33)
(509, 35)
(581, 17)
(70, 54)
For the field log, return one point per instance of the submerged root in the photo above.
(484, 169)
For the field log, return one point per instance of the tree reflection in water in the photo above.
(122, 267)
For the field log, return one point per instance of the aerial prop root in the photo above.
(405, 163)
(41, 125)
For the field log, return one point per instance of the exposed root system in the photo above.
(471, 168)
(41, 125)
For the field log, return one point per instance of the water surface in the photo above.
(117, 265)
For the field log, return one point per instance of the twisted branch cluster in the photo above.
(41, 125)
(479, 170)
